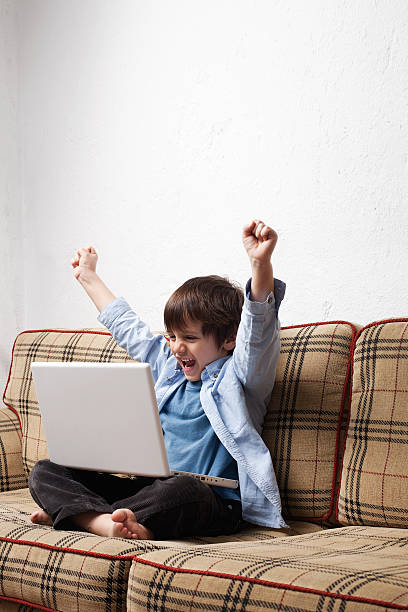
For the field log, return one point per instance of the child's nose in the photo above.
(179, 346)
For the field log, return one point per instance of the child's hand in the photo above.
(84, 261)
(84, 264)
(259, 241)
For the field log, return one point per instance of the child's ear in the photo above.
(229, 343)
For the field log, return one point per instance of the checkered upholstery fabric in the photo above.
(348, 569)
(12, 474)
(374, 483)
(38, 567)
(302, 426)
(60, 570)
(332, 521)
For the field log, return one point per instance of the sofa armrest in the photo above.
(12, 474)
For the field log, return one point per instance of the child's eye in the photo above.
(172, 338)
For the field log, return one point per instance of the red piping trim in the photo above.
(28, 603)
(400, 320)
(342, 406)
(64, 331)
(320, 323)
(75, 551)
(352, 351)
(269, 583)
(8, 380)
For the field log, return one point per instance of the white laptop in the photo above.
(104, 417)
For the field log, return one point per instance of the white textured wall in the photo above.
(155, 129)
(11, 261)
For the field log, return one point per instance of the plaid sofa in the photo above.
(336, 428)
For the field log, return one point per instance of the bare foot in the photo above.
(121, 523)
(129, 527)
(40, 517)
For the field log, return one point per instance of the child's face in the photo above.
(194, 351)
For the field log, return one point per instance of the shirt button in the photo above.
(215, 376)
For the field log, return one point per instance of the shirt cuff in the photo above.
(274, 298)
(112, 311)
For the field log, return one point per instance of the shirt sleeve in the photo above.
(257, 347)
(279, 289)
(132, 334)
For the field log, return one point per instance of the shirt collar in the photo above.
(214, 367)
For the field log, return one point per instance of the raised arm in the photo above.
(84, 264)
(126, 327)
(258, 340)
(259, 241)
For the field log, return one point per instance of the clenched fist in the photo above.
(84, 261)
(259, 241)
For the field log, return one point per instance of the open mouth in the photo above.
(188, 364)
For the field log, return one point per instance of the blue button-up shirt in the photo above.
(234, 395)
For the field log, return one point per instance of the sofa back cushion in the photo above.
(302, 425)
(374, 480)
(49, 345)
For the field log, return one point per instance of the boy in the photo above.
(213, 380)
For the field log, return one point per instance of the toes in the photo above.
(127, 525)
(34, 517)
(119, 516)
(40, 517)
(117, 531)
(120, 531)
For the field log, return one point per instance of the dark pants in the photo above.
(172, 507)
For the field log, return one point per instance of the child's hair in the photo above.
(213, 301)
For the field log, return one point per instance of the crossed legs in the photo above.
(141, 508)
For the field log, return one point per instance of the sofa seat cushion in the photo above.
(61, 570)
(253, 533)
(374, 480)
(353, 568)
(66, 570)
(16, 507)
